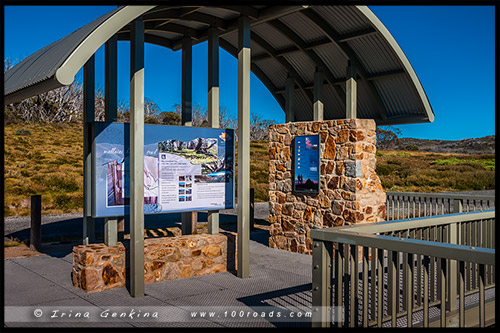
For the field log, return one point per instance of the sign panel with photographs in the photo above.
(185, 169)
(306, 164)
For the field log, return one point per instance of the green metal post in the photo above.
(351, 92)
(243, 147)
(88, 119)
(213, 105)
(321, 284)
(137, 158)
(110, 114)
(318, 96)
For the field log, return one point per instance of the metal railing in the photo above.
(439, 269)
(404, 205)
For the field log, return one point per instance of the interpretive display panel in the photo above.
(306, 164)
(185, 169)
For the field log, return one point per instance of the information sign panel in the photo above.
(306, 164)
(185, 169)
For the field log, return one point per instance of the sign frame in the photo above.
(122, 137)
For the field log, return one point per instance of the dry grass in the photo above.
(47, 159)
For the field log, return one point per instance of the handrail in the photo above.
(418, 222)
(415, 246)
(443, 195)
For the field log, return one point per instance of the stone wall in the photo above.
(97, 267)
(350, 192)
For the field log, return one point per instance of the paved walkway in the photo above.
(279, 280)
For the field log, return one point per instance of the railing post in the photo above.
(321, 284)
(36, 222)
(452, 274)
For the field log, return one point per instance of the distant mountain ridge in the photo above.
(484, 145)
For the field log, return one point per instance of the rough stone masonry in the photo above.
(350, 190)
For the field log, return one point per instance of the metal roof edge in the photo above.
(377, 24)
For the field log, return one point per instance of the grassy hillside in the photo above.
(47, 160)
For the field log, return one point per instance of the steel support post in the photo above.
(110, 114)
(213, 105)
(318, 96)
(451, 304)
(243, 146)
(186, 116)
(88, 119)
(321, 284)
(351, 92)
(137, 158)
(289, 99)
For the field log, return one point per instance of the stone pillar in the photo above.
(351, 191)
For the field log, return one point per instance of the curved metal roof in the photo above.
(285, 40)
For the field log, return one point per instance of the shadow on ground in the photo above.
(58, 238)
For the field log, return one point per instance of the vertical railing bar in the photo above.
(347, 279)
(409, 289)
(380, 288)
(405, 272)
(461, 285)
(473, 243)
(443, 291)
(426, 291)
(356, 285)
(373, 293)
(365, 286)
(433, 269)
(338, 282)
(398, 207)
(393, 290)
(413, 204)
(353, 319)
(481, 296)
(419, 273)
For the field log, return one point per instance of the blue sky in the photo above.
(451, 49)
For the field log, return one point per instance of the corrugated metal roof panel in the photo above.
(374, 54)
(304, 66)
(276, 73)
(394, 93)
(344, 19)
(219, 12)
(27, 73)
(275, 38)
(331, 106)
(303, 107)
(303, 27)
(333, 59)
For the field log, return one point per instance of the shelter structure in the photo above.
(319, 62)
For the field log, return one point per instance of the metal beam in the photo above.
(346, 50)
(243, 226)
(111, 79)
(357, 34)
(175, 28)
(351, 92)
(264, 15)
(289, 99)
(137, 158)
(297, 40)
(257, 71)
(213, 105)
(110, 114)
(186, 116)
(88, 119)
(187, 81)
(318, 114)
(272, 52)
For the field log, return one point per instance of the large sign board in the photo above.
(185, 169)
(306, 164)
